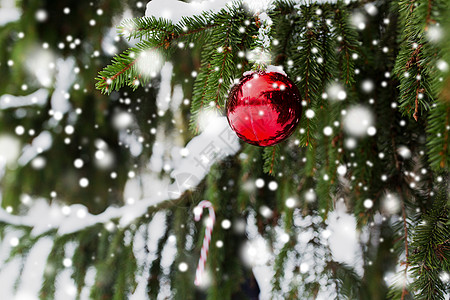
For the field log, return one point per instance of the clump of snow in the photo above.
(213, 144)
(89, 281)
(216, 142)
(108, 41)
(275, 69)
(165, 88)
(32, 274)
(65, 285)
(343, 241)
(168, 255)
(207, 118)
(143, 241)
(8, 274)
(53, 216)
(64, 80)
(259, 56)
(175, 10)
(39, 97)
(264, 38)
(9, 149)
(309, 2)
(9, 12)
(177, 98)
(132, 142)
(256, 252)
(258, 6)
(39, 62)
(149, 62)
(41, 143)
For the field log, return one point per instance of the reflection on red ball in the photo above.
(264, 108)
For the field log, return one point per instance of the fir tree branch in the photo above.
(199, 94)
(347, 43)
(428, 19)
(270, 156)
(123, 70)
(431, 246)
(405, 228)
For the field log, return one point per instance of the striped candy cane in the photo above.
(198, 211)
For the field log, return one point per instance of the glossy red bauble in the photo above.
(264, 108)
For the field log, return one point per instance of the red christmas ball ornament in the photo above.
(264, 108)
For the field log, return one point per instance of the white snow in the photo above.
(89, 281)
(255, 249)
(150, 62)
(108, 42)
(41, 143)
(53, 216)
(258, 6)
(442, 65)
(213, 144)
(41, 63)
(66, 76)
(132, 141)
(177, 98)
(9, 12)
(175, 10)
(9, 150)
(10, 238)
(259, 56)
(165, 89)
(216, 142)
(256, 252)
(65, 285)
(343, 240)
(8, 275)
(157, 228)
(275, 69)
(32, 274)
(38, 97)
(168, 255)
